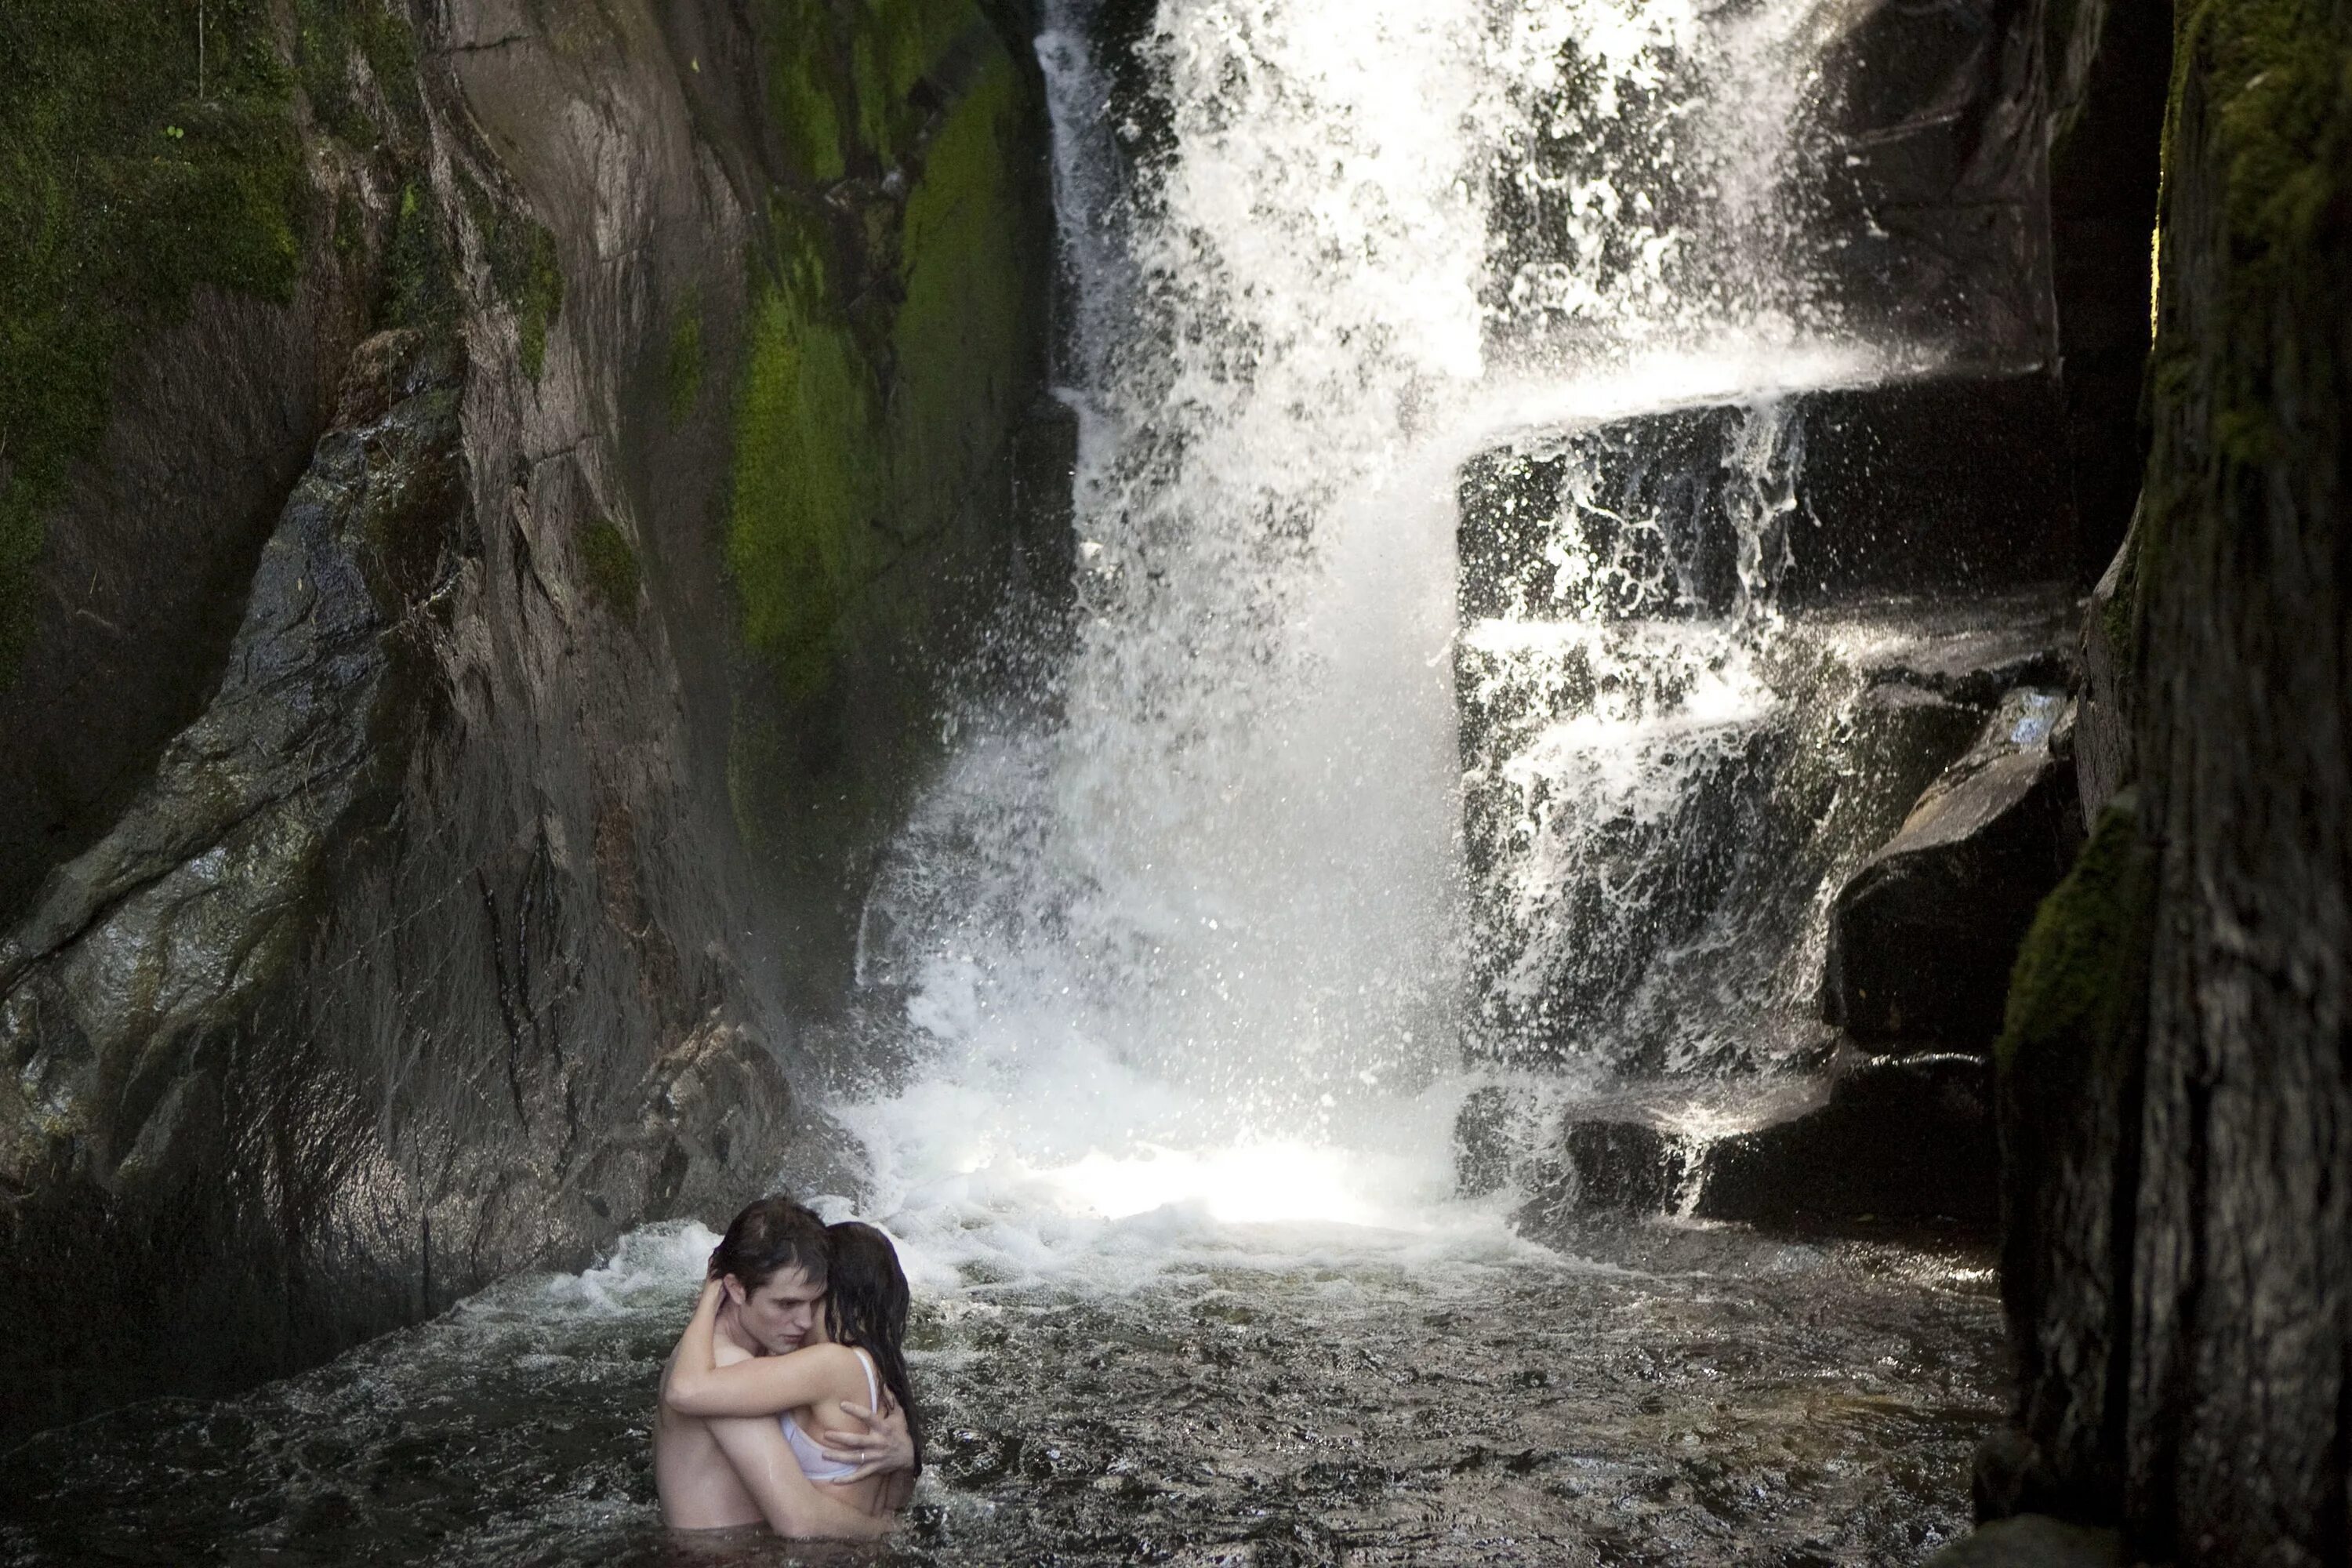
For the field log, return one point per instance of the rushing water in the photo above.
(1165, 991)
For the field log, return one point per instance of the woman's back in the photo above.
(804, 1427)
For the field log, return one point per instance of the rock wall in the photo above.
(2175, 1082)
(488, 493)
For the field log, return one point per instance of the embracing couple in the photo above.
(786, 1401)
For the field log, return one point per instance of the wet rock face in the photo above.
(2183, 1184)
(2105, 748)
(466, 918)
(1908, 1138)
(1937, 176)
(2241, 1358)
(1922, 938)
(2069, 1078)
(1927, 487)
(179, 917)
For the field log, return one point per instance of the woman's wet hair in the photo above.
(865, 1303)
(770, 1236)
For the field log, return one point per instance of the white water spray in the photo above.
(1183, 937)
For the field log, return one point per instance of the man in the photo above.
(717, 1472)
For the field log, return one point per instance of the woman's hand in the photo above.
(884, 1446)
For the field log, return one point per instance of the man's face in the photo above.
(779, 1315)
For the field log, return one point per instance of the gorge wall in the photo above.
(2174, 1074)
(487, 490)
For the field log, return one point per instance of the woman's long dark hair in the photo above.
(865, 1305)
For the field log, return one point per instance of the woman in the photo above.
(853, 1355)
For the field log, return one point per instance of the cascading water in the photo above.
(1191, 920)
(1191, 923)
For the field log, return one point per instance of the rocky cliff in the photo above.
(486, 492)
(2174, 1078)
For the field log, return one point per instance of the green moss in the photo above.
(957, 339)
(2272, 81)
(683, 372)
(806, 91)
(543, 300)
(2080, 979)
(842, 76)
(610, 563)
(332, 40)
(895, 44)
(419, 279)
(883, 346)
(125, 184)
(525, 272)
(808, 476)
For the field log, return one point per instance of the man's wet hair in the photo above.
(769, 1236)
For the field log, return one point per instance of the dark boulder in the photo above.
(1977, 652)
(1908, 487)
(1901, 1138)
(1606, 1166)
(1922, 937)
(1606, 1157)
(1933, 182)
(2034, 1540)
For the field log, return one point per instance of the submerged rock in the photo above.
(2033, 1540)
(1901, 1138)
(1922, 937)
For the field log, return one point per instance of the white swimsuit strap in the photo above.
(873, 1387)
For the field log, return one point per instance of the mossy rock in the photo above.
(866, 418)
(526, 272)
(2081, 974)
(808, 475)
(609, 562)
(136, 165)
(682, 368)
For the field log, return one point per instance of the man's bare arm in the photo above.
(763, 1385)
(792, 1504)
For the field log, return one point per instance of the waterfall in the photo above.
(1185, 920)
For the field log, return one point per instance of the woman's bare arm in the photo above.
(792, 1504)
(763, 1385)
(885, 1445)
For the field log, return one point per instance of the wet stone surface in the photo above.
(1704, 1396)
